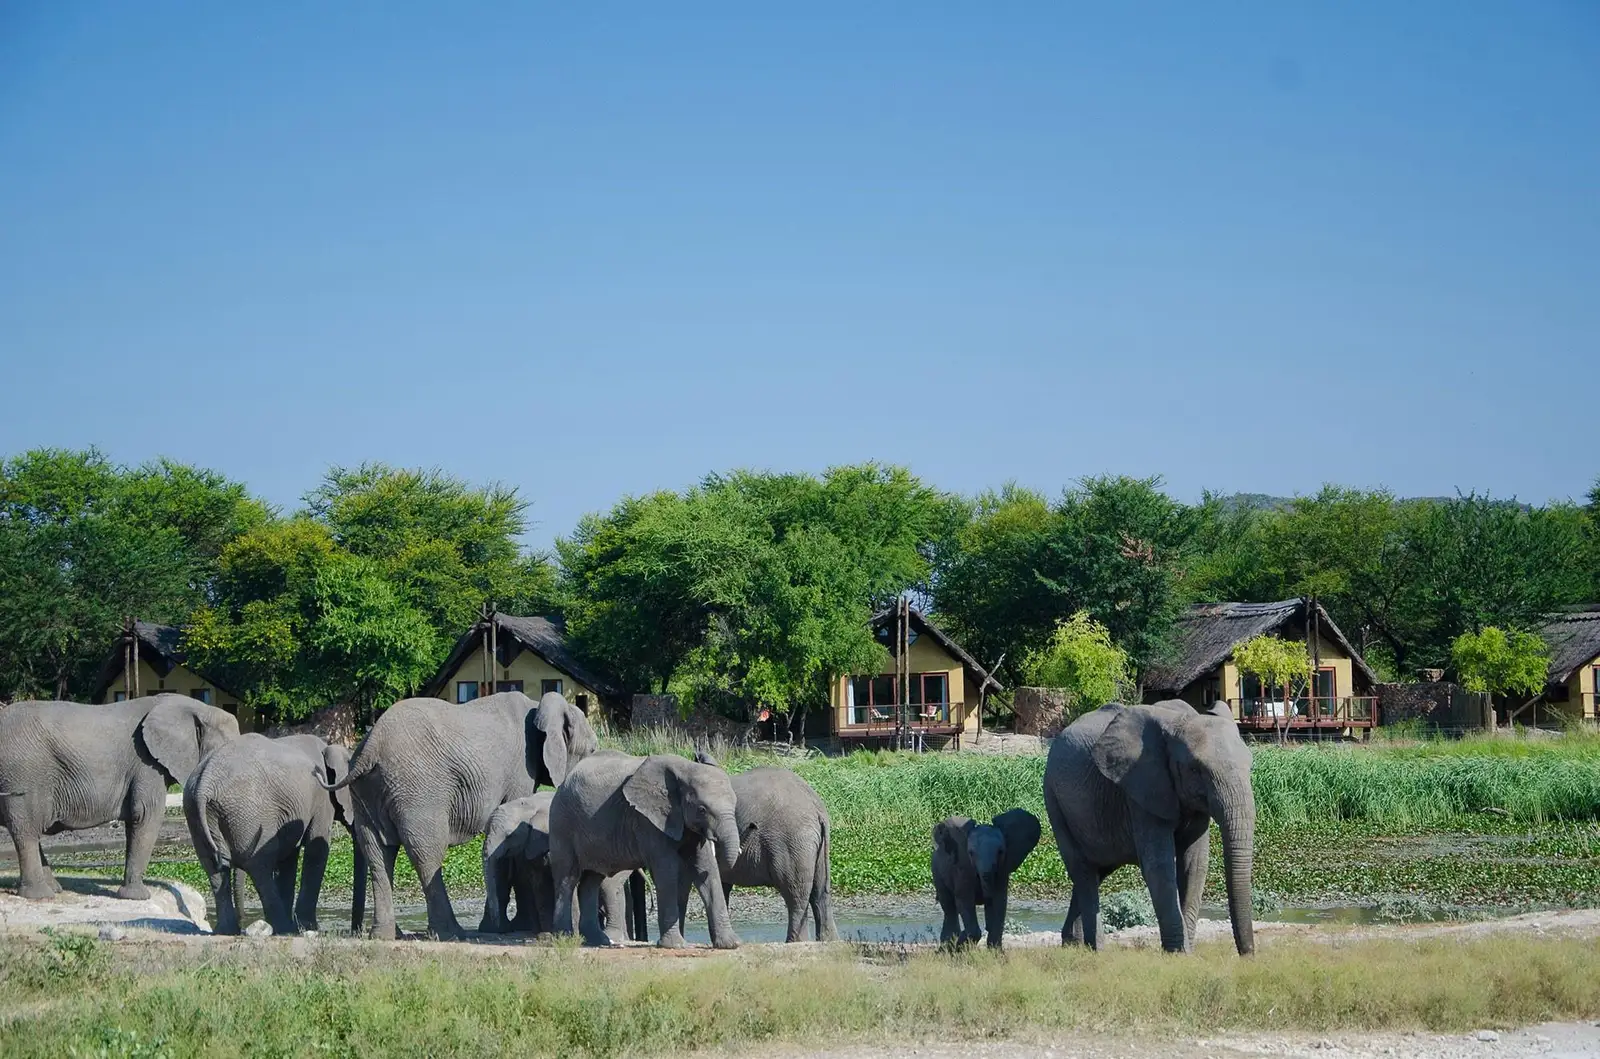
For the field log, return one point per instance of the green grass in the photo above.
(68, 997)
(1477, 821)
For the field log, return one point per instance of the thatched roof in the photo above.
(1204, 637)
(515, 634)
(160, 647)
(885, 619)
(1574, 641)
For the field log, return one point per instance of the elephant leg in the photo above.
(236, 892)
(264, 874)
(284, 873)
(950, 930)
(589, 885)
(223, 882)
(1194, 853)
(564, 873)
(637, 912)
(544, 902)
(796, 904)
(994, 916)
(970, 931)
(428, 860)
(822, 913)
(669, 925)
(49, 872)
(36, 882)
(494, 897)
(380, 861)
(1072, 929)
(1158, 863)
(314, 867)
(614, 903)
(522, 884)
(703, 870)
(358, 897)
(1083, 914)
(143, 830)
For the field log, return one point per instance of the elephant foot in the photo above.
(598, 940)
(133, 891)
(37, 889)
(672, 939)
(725, 943)
(383, 932)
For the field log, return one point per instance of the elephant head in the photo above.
(999, 848)
(179, 731)
(559, 736)
(1171, 760)
(336, 762)
(680, 796)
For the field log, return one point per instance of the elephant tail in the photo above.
(821, 880)
(362, 765)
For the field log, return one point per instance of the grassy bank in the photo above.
(74, 996)
(1492, 821)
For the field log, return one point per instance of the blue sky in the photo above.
(594, 249)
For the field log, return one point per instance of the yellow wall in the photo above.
(1331, 656)
(1580, 693)
(526, 667)
(184, 682)
(926, 657)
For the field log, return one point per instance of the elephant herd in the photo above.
(1122, 785)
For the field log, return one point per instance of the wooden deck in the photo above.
(1307, 714)
(919, 733)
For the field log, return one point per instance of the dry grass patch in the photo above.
(371, 999)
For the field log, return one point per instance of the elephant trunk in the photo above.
(1236, 818)
(727, 840)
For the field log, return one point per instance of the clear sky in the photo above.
(592, 249)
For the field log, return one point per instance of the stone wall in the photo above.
(1439, 703)
(1040, 711)
(334, 724)
(661, 711)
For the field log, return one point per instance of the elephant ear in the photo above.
(172, 733)
(1132, 753)
(950, 836)
(535, 843)
(1021, 829)
(581, 740)
(655, 791)
(336, 760)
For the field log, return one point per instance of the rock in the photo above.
(111, 932)
(1488, 1036)
(259, 929)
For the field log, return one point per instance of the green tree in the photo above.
(1276, 663)
(84, 543)
(1081, 658)
(1500, 662)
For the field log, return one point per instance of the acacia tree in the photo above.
(1501, 663)
(1275, 662)
(85, 542)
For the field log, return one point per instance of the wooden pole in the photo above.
(127, 658)
(494, 646)
(488, 673)
(133, 647)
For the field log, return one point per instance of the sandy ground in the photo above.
(1563, 1040)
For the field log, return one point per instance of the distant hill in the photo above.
(1268, 502)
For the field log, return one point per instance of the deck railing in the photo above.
(918, 713)
(1307, 711)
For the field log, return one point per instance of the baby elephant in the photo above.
(516, 859)
(972, 865)
(256, 805)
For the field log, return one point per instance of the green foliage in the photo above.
(1081, 658)
(1499, 662)
(84, 543)
(751, 588)
(1276, 661)
(1122, 909)
(359, 599)
(1114, 547)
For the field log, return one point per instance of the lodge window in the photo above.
(466, 690)
(582, 703)
(203, 694)
(547, 686)
(872, 700)
(508, 685)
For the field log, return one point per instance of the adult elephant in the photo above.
(783, 833)
(255, 806)
(65, 766)
(429, 774)
(666, 814)
(1141, 785)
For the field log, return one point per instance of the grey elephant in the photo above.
(65, 766)
(665, 814)
(783, 834)
(429, 775)
(255, 805)
(1141, 785)
(972, 866)
(516, 859)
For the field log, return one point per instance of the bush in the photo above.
(1127, 908)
